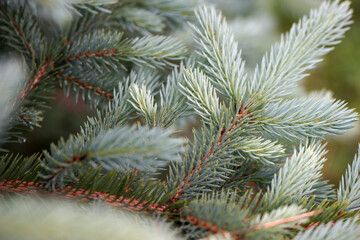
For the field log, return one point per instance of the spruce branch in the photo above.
(26, 119)
(293, 181)
(117, 111)
(259, 150)
(19, 168)
(172, 101)
(331, 211)
(225, 215)
(300, 49)
(256, 161)
(223, 63)
(121, 148)
(43, 70)
(277, 222)
(100, 50)
(349, 187)
(323, 190)
(174, 11)
(107, 50)
(201, 95)
(209, 159)
(282, 216)
(126, 190)
(151, 16)
(28, 104)
(96, 88)
(115, 114)
(20, 29)
(132, 190)
(341, 230)
(197, 168)
(83, 22)
(156, 51)
(92, 6)
(307, 117)
(68, 82)
(143, 102)
(251, 173)
(136, 19)
(230, 217)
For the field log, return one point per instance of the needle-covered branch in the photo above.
(151, 16)
(143, 102)
(172, 101)
(300, 49)
(307, 117)
(19, 168)
(296, 179)
(201, 95)
(121, 148)
(223, 63)
(341, 230)
(20, 29)
(349, 187)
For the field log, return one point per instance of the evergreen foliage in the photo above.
(252, 170)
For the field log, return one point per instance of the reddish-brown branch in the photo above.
(232, 179)
(93, 54)
(312, 224)
(75, 159)
(193, 171)
(93, 88)
(242, 233)
(287, 220)
(18, 30)
(26, 117)
(207, 226)
(202, 163)
(133, 174)
(315, 224)
(36, 79)
(239, 234)
(32, 188)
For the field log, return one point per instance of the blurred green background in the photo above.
(256, 24)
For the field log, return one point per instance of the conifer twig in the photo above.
(33, 188)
